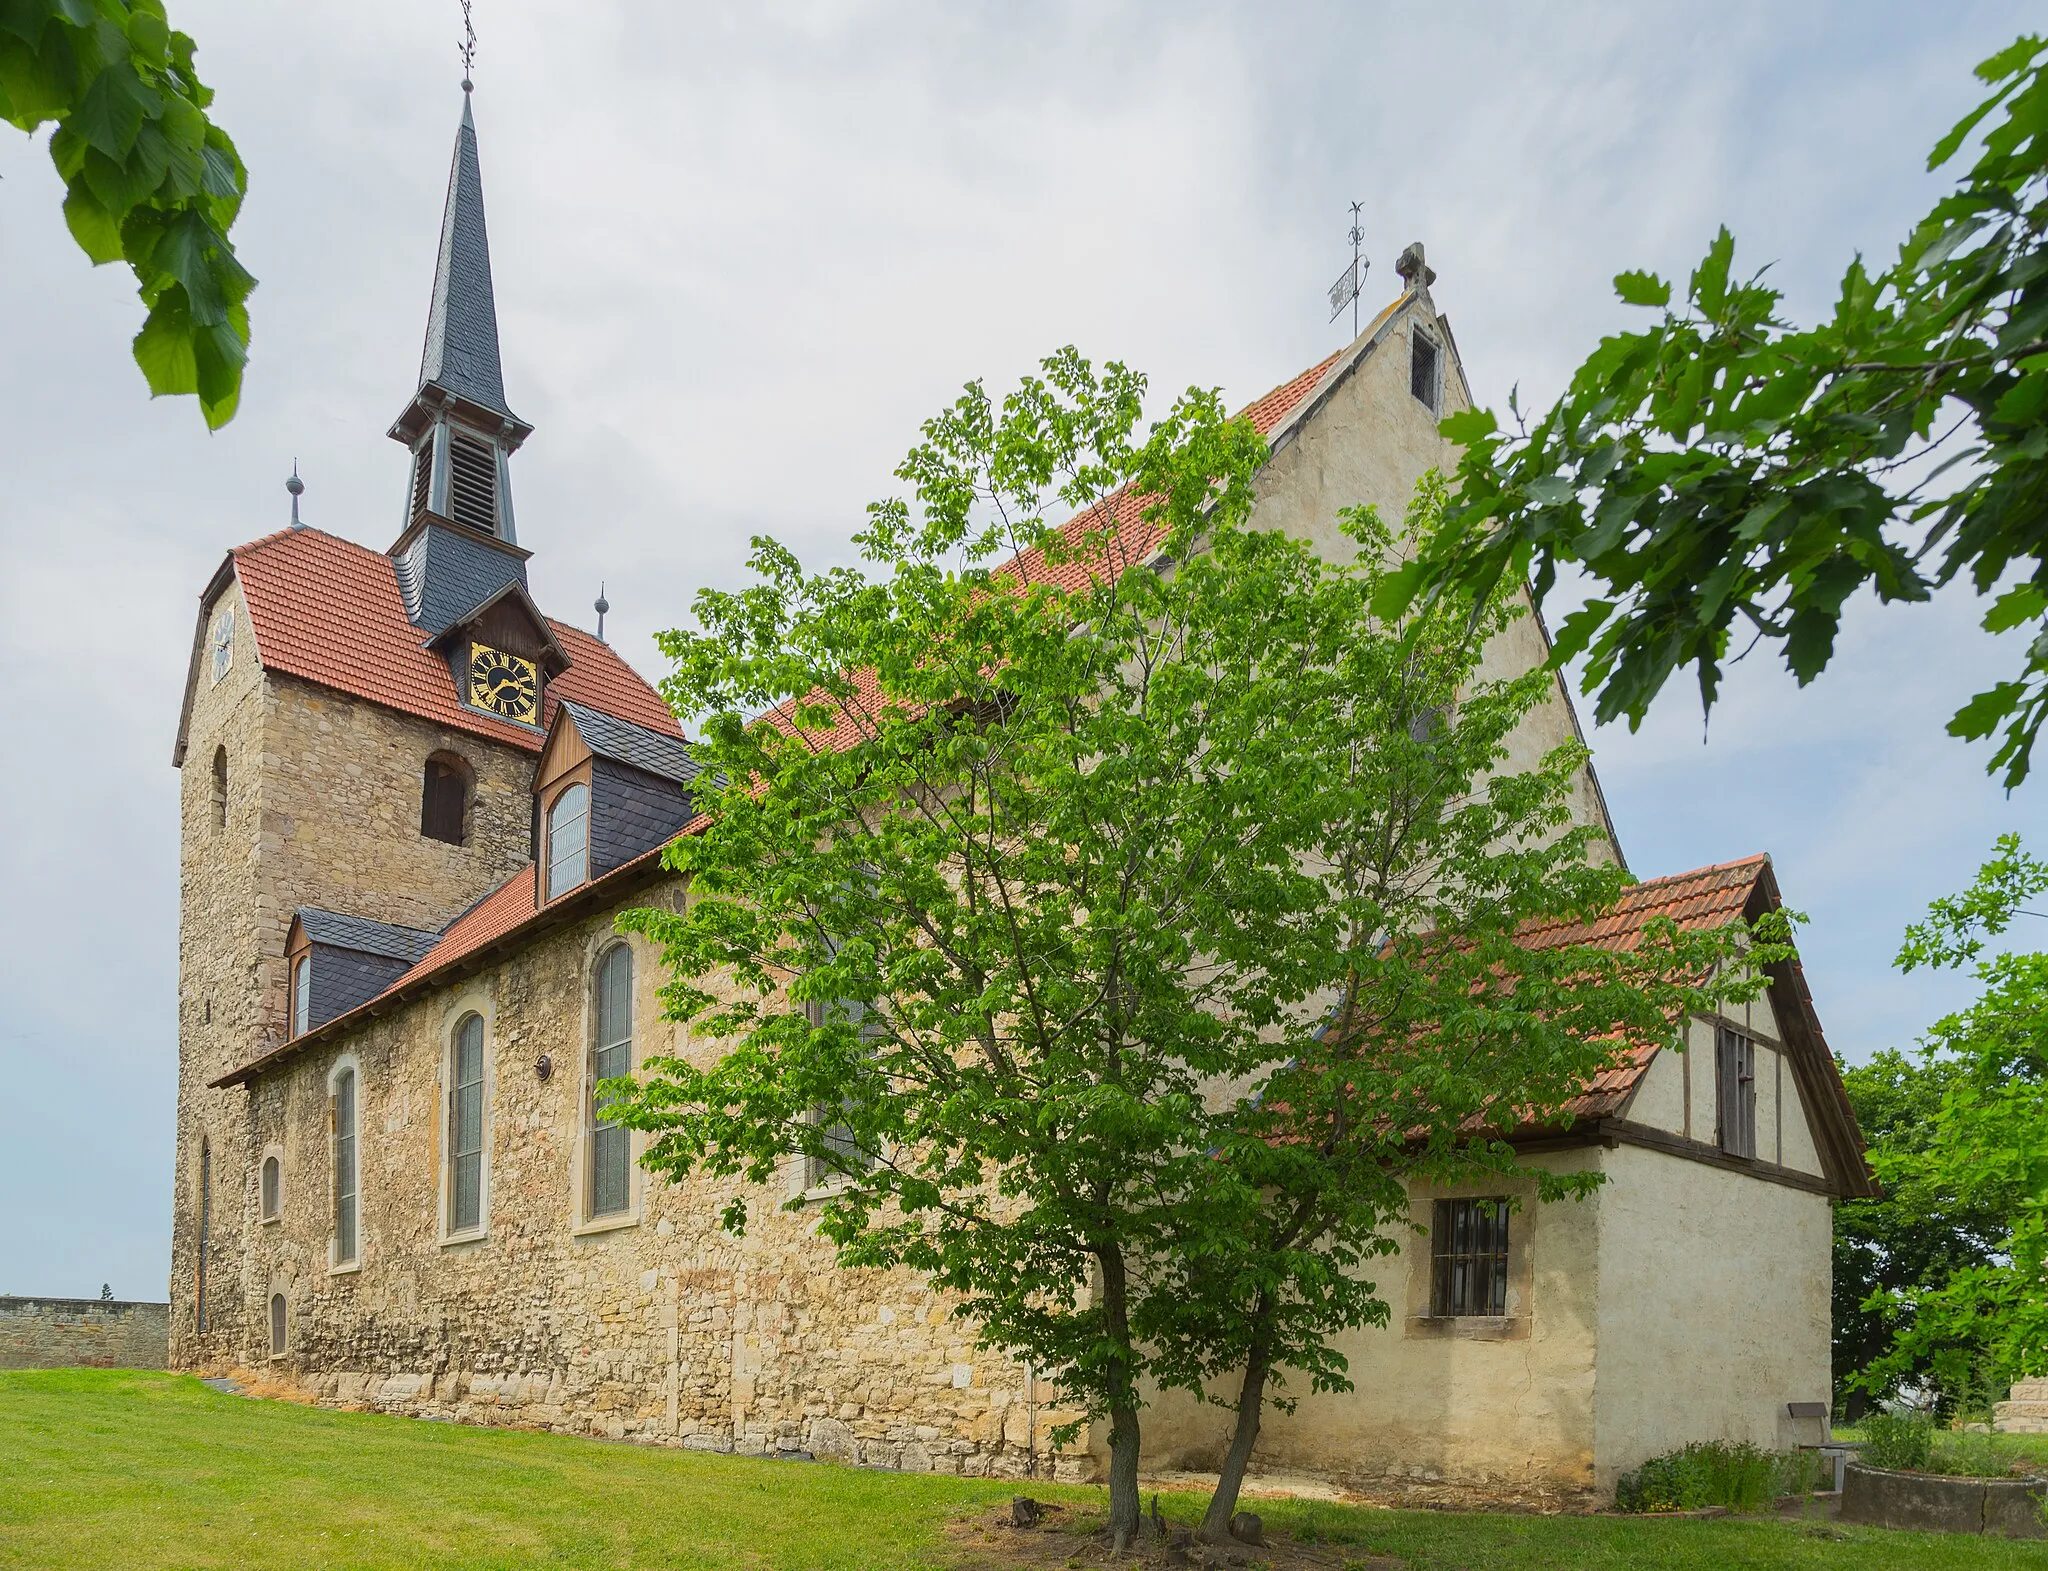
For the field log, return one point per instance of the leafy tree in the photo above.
(1727, 476)
(1983, 1164)
(1021, 915)
(149, 179)
(1910, 1239)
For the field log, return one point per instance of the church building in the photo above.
(413, 805)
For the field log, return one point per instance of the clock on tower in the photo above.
(505, 684)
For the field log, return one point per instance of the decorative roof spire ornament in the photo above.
(467, 48)
(1345, 290)
(297, 487)
(603, 605)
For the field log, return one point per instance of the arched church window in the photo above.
(466, 1127)
(445, 790)
(610, 1149)
(302, 995)
(220, 788)
(273, 1188)
(276, 1324)
(344, 1116)
(568, 840)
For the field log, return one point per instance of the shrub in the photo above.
(1742, 1477)
(1901, 1442)
(1969, 1455)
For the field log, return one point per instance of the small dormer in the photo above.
(335, 963)
(502, 654)
(605, 792)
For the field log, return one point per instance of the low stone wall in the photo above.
(2003, 1507)
(2025, 1412)
(98, 1333)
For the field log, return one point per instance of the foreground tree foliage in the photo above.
(1108, 937)
(1986, 1154)
(149, 180)
(1726, 477)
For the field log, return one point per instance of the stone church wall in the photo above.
(93, 1333)
(656, 1326)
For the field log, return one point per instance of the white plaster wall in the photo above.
(1713, 1307)
(1783, 1134)
(1659, 1100)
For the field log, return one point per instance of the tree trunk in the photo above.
(1125, 1513)
(1251, 1403)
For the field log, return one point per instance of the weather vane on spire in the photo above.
(1345, 290)
(468, 46)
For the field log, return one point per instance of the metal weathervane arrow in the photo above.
(1345, 290)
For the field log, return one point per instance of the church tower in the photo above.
(357, 749)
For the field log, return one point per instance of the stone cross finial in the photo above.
(1411, 267)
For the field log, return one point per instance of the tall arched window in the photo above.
(466, 1127)
(302, 995)
(344, 1112)
(276, 1324)
(205, 1224)
(220, 788)
(444, 798)
(273, 1188)
(611, 1155)
(569, 840)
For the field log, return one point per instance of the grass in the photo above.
(159, 1473)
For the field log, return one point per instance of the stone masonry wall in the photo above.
(655, 1326)
(97, 1333)
(323, 809)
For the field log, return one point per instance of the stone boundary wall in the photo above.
(97, 1333)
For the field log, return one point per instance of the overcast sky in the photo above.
(741, 251)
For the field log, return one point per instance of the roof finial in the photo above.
(1345, 290)
(297, 488)
(468, 46)
(603, 605)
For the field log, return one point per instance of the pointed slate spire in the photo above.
(461, 354)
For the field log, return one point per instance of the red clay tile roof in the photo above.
(329, 611)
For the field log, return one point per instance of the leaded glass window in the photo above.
(273, 1185)
(611, 1155)
(466, 1128)
(569, 840)
(345, 1168)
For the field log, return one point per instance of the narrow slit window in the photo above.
(273, 1188)
(276, 1324)
(205, 1228)
(466, 1128)
(345, 1168)
(568, 840)
(220, 788)
(302, 995)
(1469, 1258)
(611, 1152)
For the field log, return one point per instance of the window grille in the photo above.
(276, 1324)
(472, 483)
(568, 840)
(1425, 369)
(444, 800)
(345, 1168)
(1735, 1092)
(1469, 1258)
(273, 1188)
(466, 1128)
(610, 1152)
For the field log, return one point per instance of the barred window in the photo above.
(1735, 1092)
(344, 1115)
(610, 1145)
(466, 1128)
(1469, 1258)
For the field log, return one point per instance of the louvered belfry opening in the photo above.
(422, 480)
(472, 483)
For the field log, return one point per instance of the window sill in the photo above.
(349, 1269)
(605, 1224)
(474, 1235)
(1469, 1328)
(268, 1221)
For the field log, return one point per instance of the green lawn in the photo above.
(118, 1469)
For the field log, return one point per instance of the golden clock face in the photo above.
(504, 684)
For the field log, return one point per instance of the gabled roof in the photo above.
(634, 745)
(340, 931)
(554, 658)
(329, 611)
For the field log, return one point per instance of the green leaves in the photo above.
(1726, 478)
(149, 180)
